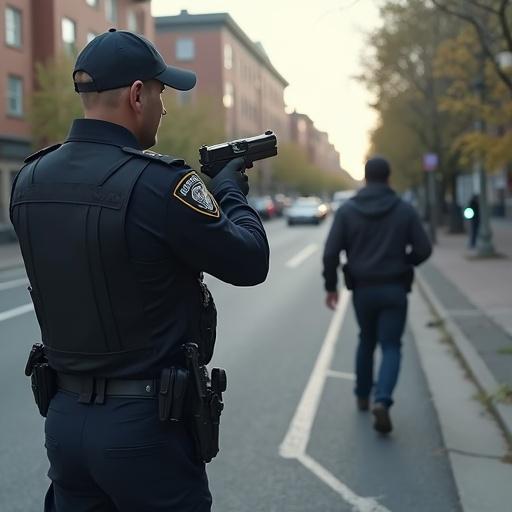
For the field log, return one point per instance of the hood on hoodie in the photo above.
(374, 200)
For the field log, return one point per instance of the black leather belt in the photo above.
(94, 389)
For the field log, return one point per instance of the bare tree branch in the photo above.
(504, 23)
(480, 30)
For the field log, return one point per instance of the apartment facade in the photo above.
(232, 71)
(315, 143)
(34, 31)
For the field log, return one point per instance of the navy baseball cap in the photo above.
(118, 58)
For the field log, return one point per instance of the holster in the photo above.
(206, 404)
(172, 394)
(43, 378)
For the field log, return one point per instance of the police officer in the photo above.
(383, 240)
(115, 241)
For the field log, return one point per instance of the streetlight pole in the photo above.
(484, 245)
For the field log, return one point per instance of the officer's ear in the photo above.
(136, 96)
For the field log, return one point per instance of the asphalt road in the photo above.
(291, 438)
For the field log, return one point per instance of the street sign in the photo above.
(430, 162)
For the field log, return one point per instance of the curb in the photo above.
(476, 366)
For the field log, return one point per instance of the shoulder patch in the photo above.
(42, 152)
(151, 155)
(191, 191)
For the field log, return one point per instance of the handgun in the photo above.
(214, 158)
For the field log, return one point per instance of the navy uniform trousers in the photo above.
(119, 457)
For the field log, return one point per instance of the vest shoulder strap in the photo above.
(157, 157)
(41, 153)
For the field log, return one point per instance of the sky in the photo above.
(317, 47)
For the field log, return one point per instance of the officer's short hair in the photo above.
(377, 170)
(108, 98)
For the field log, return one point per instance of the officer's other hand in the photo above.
(331, 300)
(233, 171)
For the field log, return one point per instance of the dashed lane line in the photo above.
(20, 310)
(302, 256)
(296, 440)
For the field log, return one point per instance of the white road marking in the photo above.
(11, 313)
(340, 375)
(302, 256)
(13, 284)
(296, 440)
(359, 504)
(297, 437)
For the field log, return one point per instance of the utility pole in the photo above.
(484, 245)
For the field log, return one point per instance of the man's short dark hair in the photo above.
(377, 170)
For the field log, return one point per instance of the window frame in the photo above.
(191, 55)
(9, 112)
(19, 13)
(70, 48)
(114, 12)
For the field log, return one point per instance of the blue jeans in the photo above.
(381, 311)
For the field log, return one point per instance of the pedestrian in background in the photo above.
(383, 239)
(115, 240)
(473, 215)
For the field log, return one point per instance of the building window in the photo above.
(92, 3)
(185, 49)
(133, 26)
(69, 35)
(13, 27)
(229, 95)
(14, 96)
(111, 10)
(90, 36)
(228, 56)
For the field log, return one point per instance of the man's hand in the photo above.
(233, 171)
(331, 300)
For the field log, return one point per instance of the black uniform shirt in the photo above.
(171, 236)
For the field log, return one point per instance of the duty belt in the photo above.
(95, 389)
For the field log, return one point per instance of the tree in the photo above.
(492, 22)
(468, 77)
(293, 172)
(400, 74)
(187, 127)
(54, 103)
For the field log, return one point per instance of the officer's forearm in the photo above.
(248, 243)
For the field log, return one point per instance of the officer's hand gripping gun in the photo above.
(214, 158)
(207, 403)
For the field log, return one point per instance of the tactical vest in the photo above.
(85, 294)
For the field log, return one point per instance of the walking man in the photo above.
(383, 239)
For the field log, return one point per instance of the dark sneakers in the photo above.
(363, 404)
(382, 421)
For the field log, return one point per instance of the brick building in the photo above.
(315, 142)
(233, 71)
(34, 31)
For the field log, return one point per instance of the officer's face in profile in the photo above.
(151, 112)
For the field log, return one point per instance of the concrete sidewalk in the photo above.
(473, 299)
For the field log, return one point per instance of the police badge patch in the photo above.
(193, 192)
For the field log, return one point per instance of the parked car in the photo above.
(282, 202)
(264, 205)
(306, 210)
(340, 198)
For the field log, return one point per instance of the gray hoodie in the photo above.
(382, 237)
